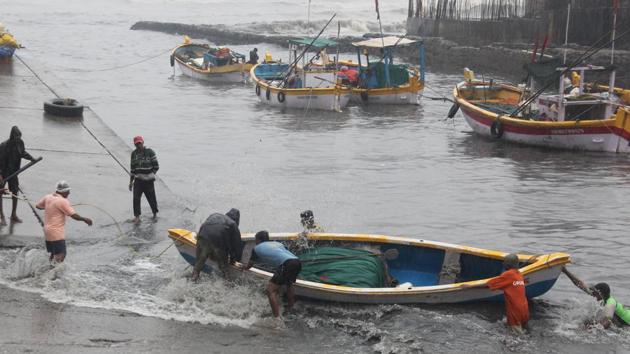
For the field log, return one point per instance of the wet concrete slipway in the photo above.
(397, 170)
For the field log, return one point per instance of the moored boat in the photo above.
(309, 86)
(8, 44)
(200, 61)
(582, 118)
(382, 82)
(426, 271)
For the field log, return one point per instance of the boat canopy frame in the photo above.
(387, 45)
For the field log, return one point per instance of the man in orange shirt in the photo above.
(513, 285)
(56, 207)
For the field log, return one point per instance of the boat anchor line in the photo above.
(74, 70)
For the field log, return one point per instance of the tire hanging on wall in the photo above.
(496, 129)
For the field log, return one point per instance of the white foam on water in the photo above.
(138, 285)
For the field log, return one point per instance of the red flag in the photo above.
(615, 6)
(378, 14)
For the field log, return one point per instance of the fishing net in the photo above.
(360, 270)
(398, 75)
(543, 70)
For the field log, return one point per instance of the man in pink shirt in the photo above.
(56, 207)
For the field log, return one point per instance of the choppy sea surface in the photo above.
(395, 170)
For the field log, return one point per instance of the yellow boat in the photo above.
(583, 119)
(200, 61)
(427, 271)
(382, 82)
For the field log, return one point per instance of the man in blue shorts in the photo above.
(286, 269)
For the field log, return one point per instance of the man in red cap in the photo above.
(144, 166)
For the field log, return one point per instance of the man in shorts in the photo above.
(286, 269)
(56, 207)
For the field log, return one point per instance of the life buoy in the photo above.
(453, 110)
(63, 107)
(268, 94)
(281, 97)
(364, 96)
(496, 129)
(257, 90)
(172, 60)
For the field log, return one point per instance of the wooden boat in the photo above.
(200, 61)
(430, 272)
(383, 82)
(309, 86)
(588, 118)
(8, 44)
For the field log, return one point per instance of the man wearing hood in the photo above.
(220, 239)
(12, 152)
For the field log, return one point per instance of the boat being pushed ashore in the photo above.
(581, 117)
(312, 85)
(357, 268)
(200, 61)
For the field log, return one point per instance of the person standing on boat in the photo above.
(219, 239)
(286, 268)
(56, 207)
(513, 285)
(253, 56)
(144, 166)
(613, 311)
(12, 152)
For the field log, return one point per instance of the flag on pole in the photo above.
(378, 14)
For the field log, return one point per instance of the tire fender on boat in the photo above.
(364, 96)
(63, 107)
(257, 90)
(172, 60)
(453, 110)
(268, 94)
(281, 97)
(496, 129)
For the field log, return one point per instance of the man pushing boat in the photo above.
(220, 239)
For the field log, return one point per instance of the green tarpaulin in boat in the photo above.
(364, 271)
(398, 75)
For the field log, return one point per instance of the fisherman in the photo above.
(253, 56)
(56, 207)
(513, 285)
(144, 166)
(12, 152)
(308, 222)
(220, 239)
(286, 268)
(613, 311)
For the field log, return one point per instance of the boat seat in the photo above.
(450, 268)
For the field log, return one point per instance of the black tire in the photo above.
(63, 107)
(453, 110)
(281, 97)
(496, 129)
(257, 90)
(268, 94)
(172, 60)
(364, 96)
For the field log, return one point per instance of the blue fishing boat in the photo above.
(391, 269)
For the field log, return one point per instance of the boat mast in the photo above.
(566, 34)
(611, 84)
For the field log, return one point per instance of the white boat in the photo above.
(202, 62)
(427, 271)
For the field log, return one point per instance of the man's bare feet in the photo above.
(15, 219)
(3, 221)
(136, 220)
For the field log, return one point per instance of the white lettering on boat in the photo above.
(566, 131)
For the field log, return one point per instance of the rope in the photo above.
(115, 67)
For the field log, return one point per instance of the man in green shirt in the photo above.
(613, 311)
(144, 166)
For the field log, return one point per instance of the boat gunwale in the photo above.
(337, 89)
(542, 262)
